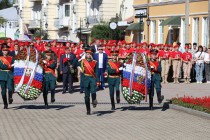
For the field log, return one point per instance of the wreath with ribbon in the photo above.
(136, 79)
(28, 74)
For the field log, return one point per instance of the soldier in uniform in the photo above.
(113, 69)
(90, 78)
(155, 79)
(49, 77)
(6, 75)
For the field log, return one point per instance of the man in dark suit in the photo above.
(16, 50)
(67, 67)
(102, 60)
(95, 46)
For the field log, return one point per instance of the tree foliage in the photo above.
(42, 34)
(5, 4)
(104, 32)
(2, 20)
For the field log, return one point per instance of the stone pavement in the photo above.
(67, 119)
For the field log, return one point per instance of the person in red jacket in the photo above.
(164, 59)
(176, 57)
(187, 65)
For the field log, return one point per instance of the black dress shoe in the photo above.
(71, 91)
(95, 102)
(5, 106)
(118, 100)
(88, 113)
(63, 92)
(151, 108)
(10, 101)
(53, 100)
(81, 91)
(46, 106)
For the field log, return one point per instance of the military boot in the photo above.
(94, 101)
(52, 96)
(87, 103)
(4, 97)
(160, 97)
(118, 96)
(45, 101)
(10, 97)
(150, 102)
(113, 104)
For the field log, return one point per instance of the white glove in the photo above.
(121, 68)
(44, 61)
(152, 67)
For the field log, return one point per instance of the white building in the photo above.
(65, 17)
(9, 28)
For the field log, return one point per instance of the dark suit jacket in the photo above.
(105, 60)
(12, 53)
(93, 49)
(64, 67)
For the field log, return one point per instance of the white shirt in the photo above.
(207, 57)
(200, 55)
(100, 60)
(96, 48)
(67, 56)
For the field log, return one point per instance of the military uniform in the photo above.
(114, 79)
(49, 79)
(6, 76)
(155, 79)
(90, 80)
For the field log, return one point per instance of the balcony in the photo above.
(94, 19)
(62, 22)
(34, 24)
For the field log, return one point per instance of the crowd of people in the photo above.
(69, 59)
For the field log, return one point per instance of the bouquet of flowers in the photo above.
(136, 78)
(28, 74)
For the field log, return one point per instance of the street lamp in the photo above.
(148, 24)
(46, 26)
(87, 23)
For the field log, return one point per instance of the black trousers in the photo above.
(207, 70)
(67, 82)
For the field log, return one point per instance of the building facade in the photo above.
(9, 26)
(168, 22)
(66, 19)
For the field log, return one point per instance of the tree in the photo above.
(5, 4)
(104, 32)
(2, 20)
(42, 34)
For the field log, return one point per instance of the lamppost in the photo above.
(46, 26)
(148, 24)
(140, 23)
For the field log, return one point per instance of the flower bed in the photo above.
(200, 104)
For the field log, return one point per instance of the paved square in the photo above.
(67, 119)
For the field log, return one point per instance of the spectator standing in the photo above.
(199, 66)
(187, 59)
(207, 65)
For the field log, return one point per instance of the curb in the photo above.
(189, 111)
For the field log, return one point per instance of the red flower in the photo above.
(65, 60)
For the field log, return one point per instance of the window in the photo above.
(160, 33)
(205, 33)
(195, 32)
(67, 10)
(153, 31)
